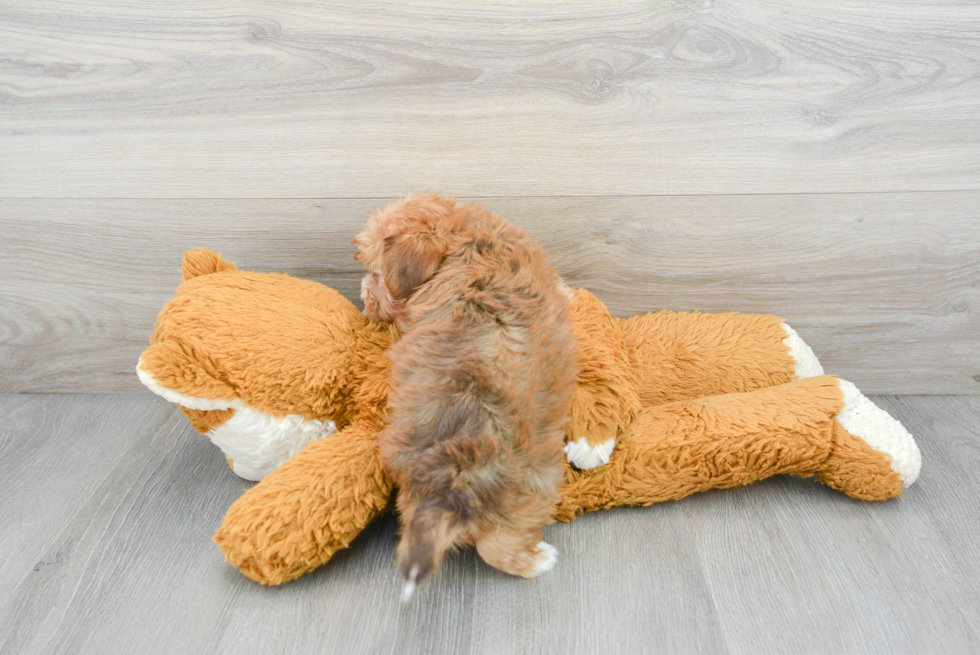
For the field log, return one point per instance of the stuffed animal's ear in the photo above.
(202, 261)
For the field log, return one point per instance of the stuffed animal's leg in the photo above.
(862, 433)
(678, 356)
(817, 426)
(310, 507)
(664, 357)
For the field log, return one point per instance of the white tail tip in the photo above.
(408, 589)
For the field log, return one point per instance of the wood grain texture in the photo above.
(36, 468)
(806, 567)
(108, 504)
(626, 582)
(884, 287)
(366, 99)
(133, 547)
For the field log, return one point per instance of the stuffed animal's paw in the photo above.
(876, 427)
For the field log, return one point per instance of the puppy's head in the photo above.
(402, 247)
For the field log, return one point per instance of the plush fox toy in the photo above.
(289, 379)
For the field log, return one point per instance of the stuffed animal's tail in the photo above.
(202, 261)
(425, 540)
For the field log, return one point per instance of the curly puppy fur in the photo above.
(482, 382)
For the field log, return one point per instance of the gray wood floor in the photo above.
(108, 504)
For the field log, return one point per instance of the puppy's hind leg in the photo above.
(521, 553)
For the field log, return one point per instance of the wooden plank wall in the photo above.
(819, 160)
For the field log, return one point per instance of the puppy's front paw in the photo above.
(583, 455)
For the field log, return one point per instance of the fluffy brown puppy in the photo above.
(482, 382)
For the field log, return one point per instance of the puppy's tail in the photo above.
(426, 537)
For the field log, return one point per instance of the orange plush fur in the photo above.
(696, 402)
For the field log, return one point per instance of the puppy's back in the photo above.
(482, 382)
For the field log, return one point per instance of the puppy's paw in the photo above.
(583, 455)
(546, 558)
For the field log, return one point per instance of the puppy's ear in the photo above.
(411, 258)
(407, 241)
